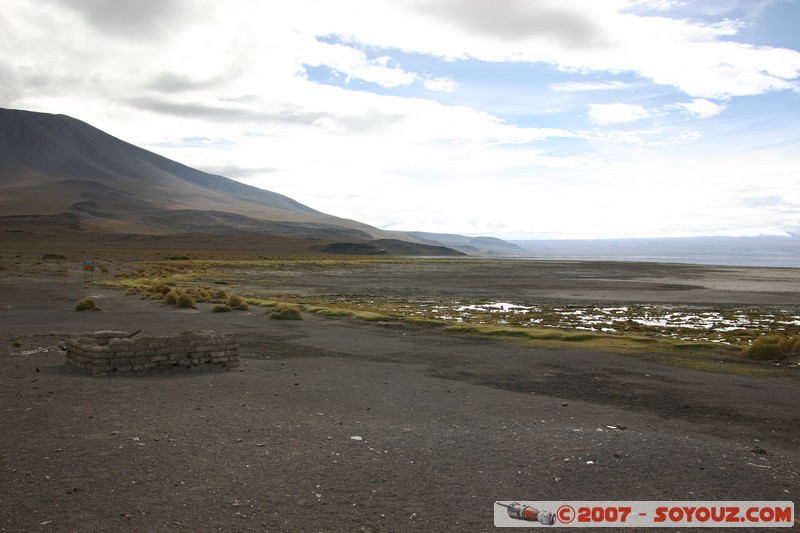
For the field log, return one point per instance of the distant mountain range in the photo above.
(769, 251)
(59, 172)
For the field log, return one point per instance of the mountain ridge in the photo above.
(58, 173)
(60, 149)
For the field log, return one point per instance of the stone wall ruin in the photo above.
(116, 352)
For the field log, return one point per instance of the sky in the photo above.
(537, 119)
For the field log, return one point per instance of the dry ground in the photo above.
(448, 423)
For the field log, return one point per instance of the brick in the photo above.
(206, 347)
(196, 350)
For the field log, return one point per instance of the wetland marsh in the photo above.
(611, 302)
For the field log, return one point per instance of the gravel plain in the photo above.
(341, 425)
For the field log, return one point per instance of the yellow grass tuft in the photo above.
(220, 294)
(286, 312)
(238, 303)
(185, 301)
(85, 304)
(768, 348)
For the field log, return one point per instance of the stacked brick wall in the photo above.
(108, 352)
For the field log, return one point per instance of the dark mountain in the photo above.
(57, 172)
(388, 247)
(55, 164)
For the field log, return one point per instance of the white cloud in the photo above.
(354, 63)
(702, 108)
(692, 57)
(585, 86)
(725, 69)
(446, 85)
(646, 196)
(657, 5)
(605, 114)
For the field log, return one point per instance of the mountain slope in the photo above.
(56, 164)
(58, 173)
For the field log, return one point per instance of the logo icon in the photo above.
(527, 513)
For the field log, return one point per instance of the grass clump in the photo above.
(794, 345)
(286, 312)
(369, 316)
(221, 309)
(220, 294)
(185, 301)
(171, 298)
(204, 296)
(768, 348)
(238, 303)
(85, 304)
